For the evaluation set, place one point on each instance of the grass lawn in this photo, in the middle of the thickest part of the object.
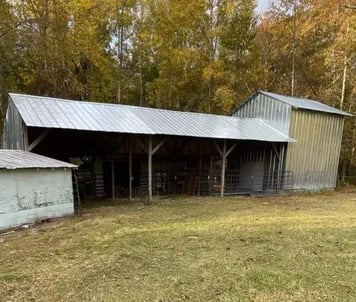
(298, 248)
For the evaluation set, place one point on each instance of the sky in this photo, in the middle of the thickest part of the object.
(262, 5)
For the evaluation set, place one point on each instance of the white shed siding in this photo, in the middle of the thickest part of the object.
(30, 195)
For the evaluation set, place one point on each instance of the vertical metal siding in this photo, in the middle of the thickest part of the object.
(274, 112)
(314, 158)
(12, 136)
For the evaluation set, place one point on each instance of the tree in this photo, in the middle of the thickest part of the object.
(8, 58)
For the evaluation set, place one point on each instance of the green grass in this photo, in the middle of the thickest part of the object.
(295, 248)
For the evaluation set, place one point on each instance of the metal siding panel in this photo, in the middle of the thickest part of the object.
(341, 127)
(314, 158)
(328, 155)
(12, 137)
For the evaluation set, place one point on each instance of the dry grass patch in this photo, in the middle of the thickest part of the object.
(298, 248)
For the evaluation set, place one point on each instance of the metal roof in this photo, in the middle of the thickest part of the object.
(19, 159)
(48, 112)
(305, 103)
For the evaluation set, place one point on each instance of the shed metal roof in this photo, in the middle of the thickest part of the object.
(19, 159)
(48, 112)
(305, 103)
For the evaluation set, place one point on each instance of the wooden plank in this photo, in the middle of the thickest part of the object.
(159, 145)
(199, 173)
(150, 168)
(25, 137)
(222, 188)
(38, 139)
(230, 150)
(218, 148)
(142, 145)
(130, 169)
(112, 179)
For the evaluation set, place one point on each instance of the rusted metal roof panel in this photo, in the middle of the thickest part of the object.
(305, 103)
(19, 159)
(78, 115)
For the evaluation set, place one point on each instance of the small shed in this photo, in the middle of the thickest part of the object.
(33, 188)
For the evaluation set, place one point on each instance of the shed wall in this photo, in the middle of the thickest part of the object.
(314, 158)
(13, 133)
(275, 112)
(30, 195)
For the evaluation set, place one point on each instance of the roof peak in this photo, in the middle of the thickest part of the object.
(304, 103)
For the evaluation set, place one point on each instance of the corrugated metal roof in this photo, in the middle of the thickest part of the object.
(19, 159)
(305, 103)
(67, 114)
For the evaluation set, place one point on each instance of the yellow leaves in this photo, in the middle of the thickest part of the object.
(224, 99)
(214, 71)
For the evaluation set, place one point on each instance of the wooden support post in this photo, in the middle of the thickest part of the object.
(112, 179)
(130, 169)
(222, 188)
(25, 138)
(224, 154)
(211, 174)
(152, 151)
(280, 166)
(38, 139)
(150, 168)
(199, 174)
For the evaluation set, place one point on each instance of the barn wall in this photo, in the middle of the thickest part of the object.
(314, 158)
(13, 133)
(30, 195)
(275, 112)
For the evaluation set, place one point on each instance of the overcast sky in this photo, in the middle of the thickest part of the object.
(262, 5)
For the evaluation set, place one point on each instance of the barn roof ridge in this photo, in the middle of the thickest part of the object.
(303, 103)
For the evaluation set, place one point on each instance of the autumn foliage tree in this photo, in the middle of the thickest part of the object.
(202, 55)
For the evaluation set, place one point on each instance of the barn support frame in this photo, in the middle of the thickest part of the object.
(279, 153)
(224, 154)
(151, 151)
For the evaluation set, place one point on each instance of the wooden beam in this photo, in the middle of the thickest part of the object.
(130, 169)
(210, 174)
(218, 148)
(38, 139)
(275, 150)
(224, 154)
(112, 179)
(159, 145)
(142, 145)
(25, 137)
(222, 188)
(150, 168)
(199, 172)
(230, 150)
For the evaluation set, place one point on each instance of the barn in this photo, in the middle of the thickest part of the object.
(33, 188)
(316, 127)
(128, 151)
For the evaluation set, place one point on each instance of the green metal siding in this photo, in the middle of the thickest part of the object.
(314, 158)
